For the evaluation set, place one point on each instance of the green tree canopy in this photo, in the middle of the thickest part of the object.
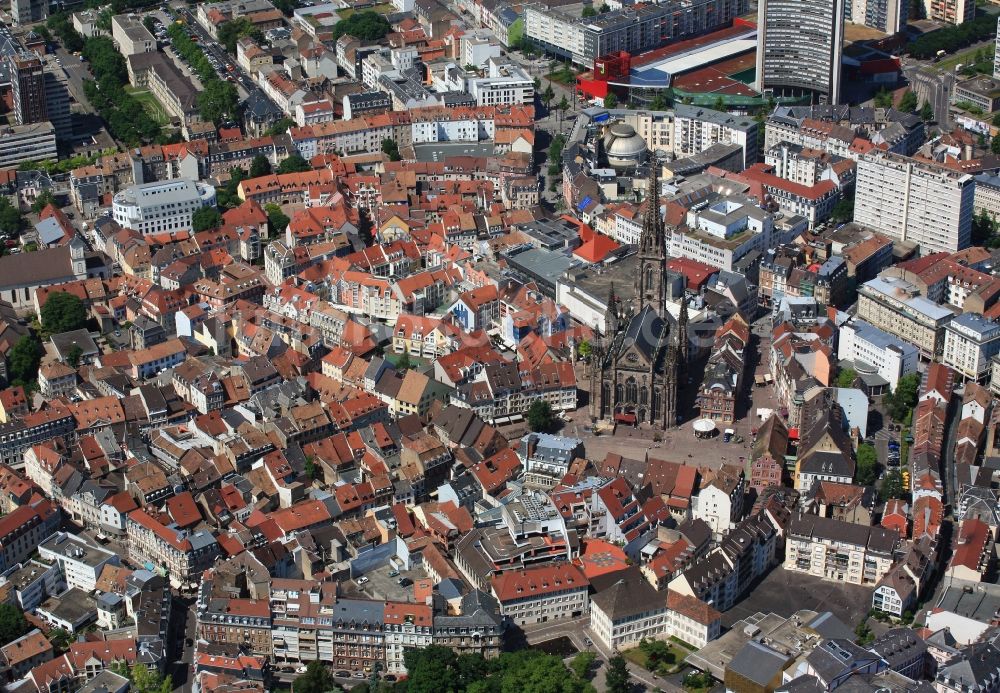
(316, 679)
(883, 98)
(294, 164)
(617, 679)
(367, 26)
(927, 112)
(582, 663)
(540, 417)
(280, 126)
(893, 486)
(232, 31)
(866, 472)
(42, 201)
(277, 219)
(904, 398)
(610, 100)
(846, 377)
(74, 355)
(63, 312)
(589, 11)
(23, 360)
(260, 166)
(390, 147)
(13, 624)
(206, 218)
(217, 100)
(908, 103)
(11, 220)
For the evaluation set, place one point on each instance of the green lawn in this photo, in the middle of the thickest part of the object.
(637, 656)
(152, 106)
(948, 63)
(384, 8)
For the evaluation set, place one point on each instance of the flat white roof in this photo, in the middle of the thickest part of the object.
(696, 58)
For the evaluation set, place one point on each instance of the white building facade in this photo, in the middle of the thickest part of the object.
(161, 207)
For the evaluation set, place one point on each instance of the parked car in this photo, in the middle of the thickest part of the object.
(343, 674)
(393, 573)
(404, 582)
(361, 580)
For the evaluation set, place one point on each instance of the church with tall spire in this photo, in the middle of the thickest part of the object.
(635, 364)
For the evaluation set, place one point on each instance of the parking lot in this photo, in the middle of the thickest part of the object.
(784, 592)
(380, 586)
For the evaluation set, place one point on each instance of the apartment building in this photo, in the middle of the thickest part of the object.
(238, 621)
(504, 392)
(546, 458)
(181, 555)
(542, 594)
(724, 574)
(504, 83)
(839, 550)
(875, 351)
(915, 201)
(634, 29)
(887, 16)
(406, 626)
(949, 11)
(310, 623)
(17, 435)
(23, 529)
(166, 206)
(80, 560)
(696, 128)
(845, 131)
(897, 307)
(131, 36)
(723, 231)
(970, 342)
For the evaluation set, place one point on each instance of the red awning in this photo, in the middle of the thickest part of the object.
(625, 418)
(793, 433)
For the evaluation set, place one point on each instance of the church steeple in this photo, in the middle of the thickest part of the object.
(682, 330)
(650, 288)
(611, 316)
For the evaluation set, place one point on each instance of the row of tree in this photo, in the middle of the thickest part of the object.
(218, 99)
(953, 38)
(126, 119)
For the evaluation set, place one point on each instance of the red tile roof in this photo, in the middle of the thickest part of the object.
(534, 582)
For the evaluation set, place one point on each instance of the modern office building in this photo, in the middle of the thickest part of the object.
(800, 46)
(915, 201)
(897, 307)
(80, 560)
(27, 77)
(161, 207)
(987, 198)
(875, 351)
(996, 53)
(35, 142)
(57, 103)
(29, 11)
